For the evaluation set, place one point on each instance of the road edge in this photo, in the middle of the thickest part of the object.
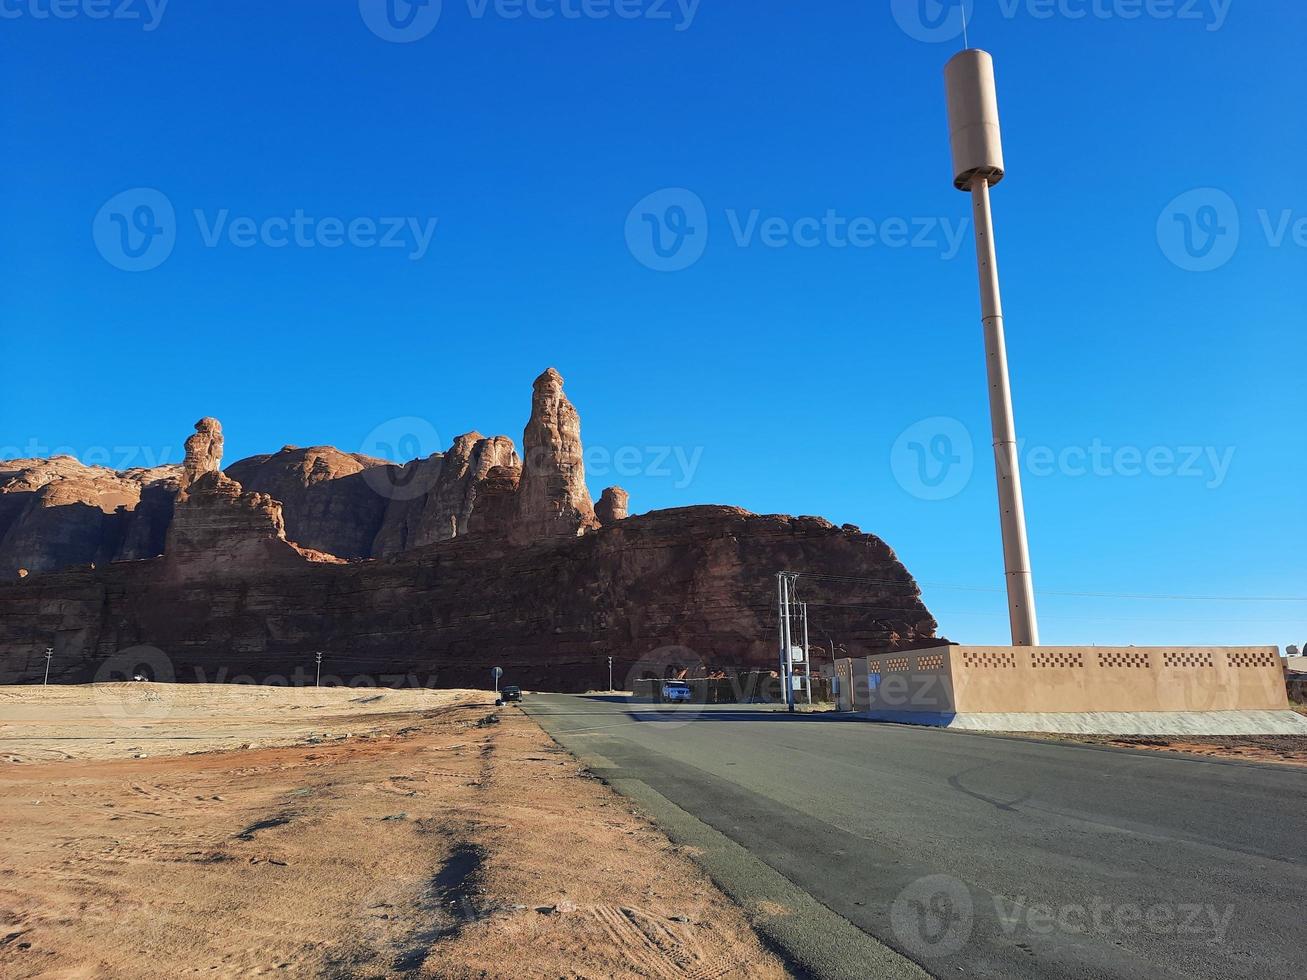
(813, 941)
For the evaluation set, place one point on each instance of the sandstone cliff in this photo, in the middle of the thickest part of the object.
(329, 502)
(694, 585)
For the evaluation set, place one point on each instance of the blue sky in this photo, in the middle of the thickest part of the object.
(823, 334)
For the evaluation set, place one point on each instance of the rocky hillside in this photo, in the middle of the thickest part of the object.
(432, 569)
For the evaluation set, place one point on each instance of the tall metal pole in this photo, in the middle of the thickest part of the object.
(780, 622)
(610, 673)
(1012, 514)
(787, 665)
(49, 652)
(808, 655)
(318, 680)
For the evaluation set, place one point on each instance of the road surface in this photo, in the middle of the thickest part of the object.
(971, 855)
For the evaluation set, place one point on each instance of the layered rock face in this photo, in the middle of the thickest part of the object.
(693, 586)
(329, 502)
(437, 568)
(58, 513)
(450, 484)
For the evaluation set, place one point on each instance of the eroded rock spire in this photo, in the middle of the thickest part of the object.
(553, 500)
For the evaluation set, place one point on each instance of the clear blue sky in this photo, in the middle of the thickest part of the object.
(791, 372)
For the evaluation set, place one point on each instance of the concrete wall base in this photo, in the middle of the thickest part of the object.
(1108, 722)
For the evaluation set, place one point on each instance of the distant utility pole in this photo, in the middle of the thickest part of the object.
(610, 673)
(783, 587)
(318, 680)
(808, 656)
(49, 653)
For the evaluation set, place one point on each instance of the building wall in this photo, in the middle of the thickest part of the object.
(958, 679)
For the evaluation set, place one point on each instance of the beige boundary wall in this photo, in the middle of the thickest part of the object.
(932, 686)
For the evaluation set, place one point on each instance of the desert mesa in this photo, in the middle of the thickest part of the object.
(429, 571)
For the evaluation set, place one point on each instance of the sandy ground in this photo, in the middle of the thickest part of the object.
(1283, 749)
(414, 836)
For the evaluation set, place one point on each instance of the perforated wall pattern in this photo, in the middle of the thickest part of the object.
(1057, 658)
(988, 658)
(1187, 658)
(1252, 658)
(1122, 658)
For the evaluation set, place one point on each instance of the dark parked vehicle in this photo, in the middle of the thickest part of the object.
(511, 693)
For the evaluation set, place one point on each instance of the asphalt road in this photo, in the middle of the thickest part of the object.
(975, 855)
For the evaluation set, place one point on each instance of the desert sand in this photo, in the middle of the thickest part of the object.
(365, 833)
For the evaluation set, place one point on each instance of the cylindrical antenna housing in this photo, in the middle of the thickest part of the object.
(973, 118)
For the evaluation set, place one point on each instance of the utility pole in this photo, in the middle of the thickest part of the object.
(610, 673)
(787, 652)
(49, 653)
(977, 163)
(807, 653)
(318, 681)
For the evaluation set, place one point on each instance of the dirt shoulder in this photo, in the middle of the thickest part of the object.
(429, 841)
(1288, 750)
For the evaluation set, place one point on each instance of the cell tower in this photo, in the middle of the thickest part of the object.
(977, 165)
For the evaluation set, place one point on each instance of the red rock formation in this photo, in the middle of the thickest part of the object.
(612, 506)
(488, 561)
(56, 513)
(695, 582)
(450, 504)
(203, 451)
(327, 500)
(496, 510)
(553, 500)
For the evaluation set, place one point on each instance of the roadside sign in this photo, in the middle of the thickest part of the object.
(496, 673)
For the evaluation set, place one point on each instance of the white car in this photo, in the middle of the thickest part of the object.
(676, 691)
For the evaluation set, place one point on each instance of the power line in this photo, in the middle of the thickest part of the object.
(1049, 592)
